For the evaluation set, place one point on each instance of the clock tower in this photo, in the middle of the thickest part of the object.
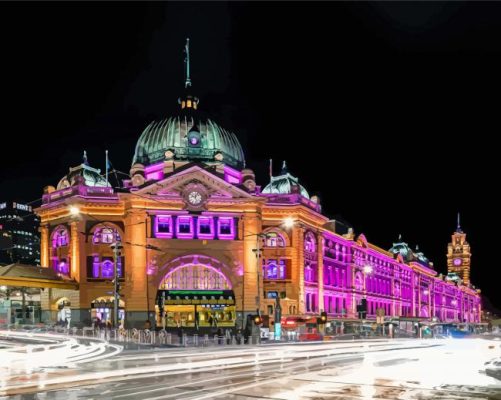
(459, 256)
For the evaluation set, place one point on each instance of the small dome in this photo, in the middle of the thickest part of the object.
(83, 174)
(403, 249)
(188, 139)
(285, 184)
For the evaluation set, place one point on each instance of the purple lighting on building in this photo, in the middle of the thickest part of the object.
(163, 226)
(205, 228)
(154, 172)
(225, 228)
(184, 227)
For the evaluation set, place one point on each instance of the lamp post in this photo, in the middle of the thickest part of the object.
(367, 270)
(117, 247)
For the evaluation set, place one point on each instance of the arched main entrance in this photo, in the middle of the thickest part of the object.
(196, 294)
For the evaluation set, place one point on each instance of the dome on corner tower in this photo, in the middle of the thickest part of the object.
(190, 139)
(285, 183)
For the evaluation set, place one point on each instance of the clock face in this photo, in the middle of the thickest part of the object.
(457, 261)
(195, 198)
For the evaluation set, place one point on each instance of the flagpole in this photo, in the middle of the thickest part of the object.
(106, 168)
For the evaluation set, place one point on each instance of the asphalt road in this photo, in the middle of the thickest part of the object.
(400, 369)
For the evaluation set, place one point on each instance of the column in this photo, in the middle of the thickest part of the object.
(137, 293)
(298, 243)
(44, 246)
(252, 226)
(74, 251)
(320, 265)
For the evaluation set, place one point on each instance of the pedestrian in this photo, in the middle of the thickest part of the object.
(228, 336)
(219, 334)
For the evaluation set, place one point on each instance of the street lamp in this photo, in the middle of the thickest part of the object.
(366, 270)
(116, 247)
(74, 211)
(289, 222)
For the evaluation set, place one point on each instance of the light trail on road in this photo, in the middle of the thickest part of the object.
(410, 369)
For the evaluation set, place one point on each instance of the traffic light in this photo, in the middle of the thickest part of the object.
(258, 320)
(161, 304)
(323, 317)
(117, 287)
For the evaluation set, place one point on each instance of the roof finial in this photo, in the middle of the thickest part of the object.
(284, 168)
(85, 158)
(459, 225)
(271, 168)
(417, 247)
(400, 237)
(187, 82)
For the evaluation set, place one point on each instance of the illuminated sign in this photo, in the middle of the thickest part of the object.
(23, 207)
(197, 297)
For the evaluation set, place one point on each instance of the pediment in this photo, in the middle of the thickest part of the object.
(176, 184)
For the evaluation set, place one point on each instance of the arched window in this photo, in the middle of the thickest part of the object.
(359, 283)
(106, 235)
(308, 273)
(107, 269)
(275, 269)
(60, 237)
(273, 239)
(193, 277)
(309, 243)
(62, 266)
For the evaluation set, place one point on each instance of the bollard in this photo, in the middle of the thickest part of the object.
(206, 340)
(183, 340)
(195, 339)
(168, 338)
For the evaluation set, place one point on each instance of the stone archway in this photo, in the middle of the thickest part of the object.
(196, 272)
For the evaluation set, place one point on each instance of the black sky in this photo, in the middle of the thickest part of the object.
(389, 112)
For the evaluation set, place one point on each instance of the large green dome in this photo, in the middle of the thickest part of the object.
(190, 139)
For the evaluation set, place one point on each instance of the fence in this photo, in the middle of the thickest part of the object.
(142, 337)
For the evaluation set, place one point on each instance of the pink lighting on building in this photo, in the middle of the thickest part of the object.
(231, 175)
(154, 172)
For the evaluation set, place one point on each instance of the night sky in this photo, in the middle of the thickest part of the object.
(388, 112)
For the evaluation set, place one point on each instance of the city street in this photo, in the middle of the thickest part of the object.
(398, 369)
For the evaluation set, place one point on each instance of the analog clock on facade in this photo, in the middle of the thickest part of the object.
(194, 198)
(457, 262)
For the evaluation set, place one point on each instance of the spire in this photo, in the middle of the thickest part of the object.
(284, 168)
(187, 80)
(187, 102)
(271, 169)
(85, 158)
(458, 229)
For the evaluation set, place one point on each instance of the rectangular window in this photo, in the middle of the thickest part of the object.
(163, 226)
(205, 228)
(225, 228)
(184, 227)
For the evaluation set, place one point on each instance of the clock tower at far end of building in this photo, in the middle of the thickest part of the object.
(459, 255)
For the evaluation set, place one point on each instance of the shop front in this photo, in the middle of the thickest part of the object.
(203, 310)
(102, 311)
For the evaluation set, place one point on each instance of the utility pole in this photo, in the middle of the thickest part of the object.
(117, 247)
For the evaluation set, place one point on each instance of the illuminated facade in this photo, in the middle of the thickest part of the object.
(191, 218)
